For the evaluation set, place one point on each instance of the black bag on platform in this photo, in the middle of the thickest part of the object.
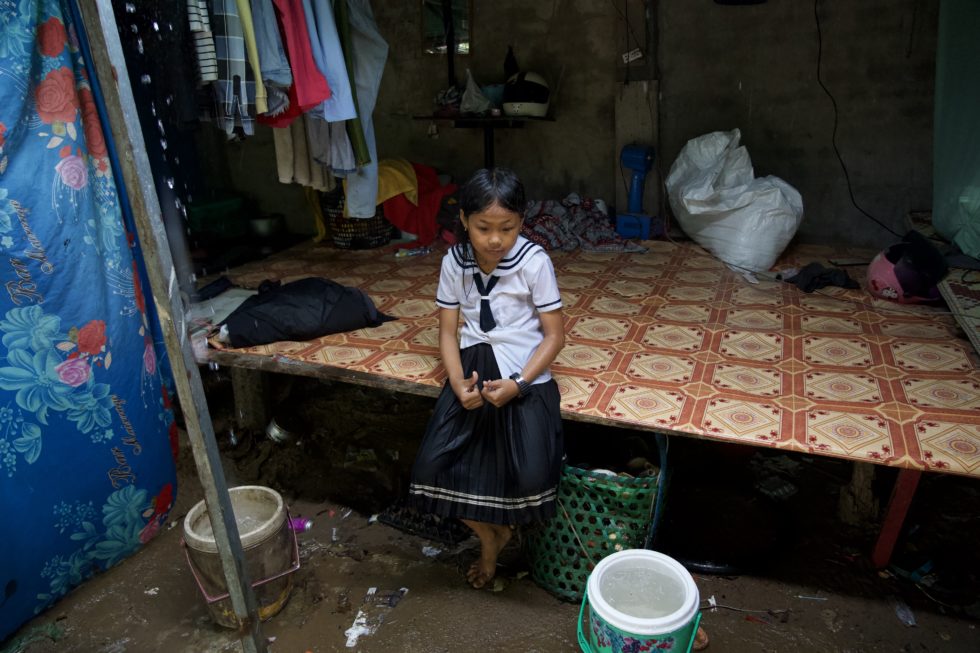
(301, 310)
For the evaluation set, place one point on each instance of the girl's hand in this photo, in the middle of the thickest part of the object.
(467, 392)
(499, 392)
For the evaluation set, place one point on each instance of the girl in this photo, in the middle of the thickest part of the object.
(491, 455)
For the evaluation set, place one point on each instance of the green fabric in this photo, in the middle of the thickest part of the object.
(362, 156)
(956, 151)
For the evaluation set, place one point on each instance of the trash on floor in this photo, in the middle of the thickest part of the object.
(300, 524)
(903, 612)
(371, 615)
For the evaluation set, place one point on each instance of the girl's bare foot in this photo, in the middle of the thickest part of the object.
(493, 539)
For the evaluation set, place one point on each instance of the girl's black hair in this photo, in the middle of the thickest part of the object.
(489, 186)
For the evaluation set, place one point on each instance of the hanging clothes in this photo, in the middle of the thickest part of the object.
(341, 153)
(354, 129)
(293, 162)
(235, 89)
(329, 58)
(309, 87)
(252, 52)
(200, 26)
(284, 118)
(370, 52)
(318, 137)
(330, 145)
(276, 72)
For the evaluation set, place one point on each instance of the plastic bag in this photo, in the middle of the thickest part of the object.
(718, 202)
(474, 101)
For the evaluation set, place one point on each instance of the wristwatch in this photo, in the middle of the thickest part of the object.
(522, 385)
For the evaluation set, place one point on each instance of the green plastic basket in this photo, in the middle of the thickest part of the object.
(598, 515)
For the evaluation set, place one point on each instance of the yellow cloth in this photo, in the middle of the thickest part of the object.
(245, 13)
(397, 176)
(313, 197)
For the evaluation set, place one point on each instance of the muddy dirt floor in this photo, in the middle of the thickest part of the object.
(758, 528)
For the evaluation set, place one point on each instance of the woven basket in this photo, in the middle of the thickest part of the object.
(598, 515)
(354, 233)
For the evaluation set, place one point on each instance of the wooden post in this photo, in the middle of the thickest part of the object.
(251, 391)
(898, 508)
(110, 65)
(857, 504)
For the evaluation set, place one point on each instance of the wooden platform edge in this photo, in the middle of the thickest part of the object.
(322, 371)
(282, 365)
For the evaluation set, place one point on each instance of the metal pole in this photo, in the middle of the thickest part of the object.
(100, 26)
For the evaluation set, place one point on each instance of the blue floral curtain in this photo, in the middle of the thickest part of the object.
(87, 438)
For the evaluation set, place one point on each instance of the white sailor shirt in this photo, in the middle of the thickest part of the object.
(526, 286)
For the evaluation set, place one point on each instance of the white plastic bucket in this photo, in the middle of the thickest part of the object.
(268, 544)
(639, 600)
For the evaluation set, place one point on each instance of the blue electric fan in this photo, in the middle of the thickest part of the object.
(634, 223)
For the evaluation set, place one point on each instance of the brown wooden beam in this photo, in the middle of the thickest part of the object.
(251, 396)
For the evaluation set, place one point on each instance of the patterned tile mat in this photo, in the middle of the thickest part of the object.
(672, 340)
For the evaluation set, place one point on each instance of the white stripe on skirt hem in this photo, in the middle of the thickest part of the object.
(478, 500)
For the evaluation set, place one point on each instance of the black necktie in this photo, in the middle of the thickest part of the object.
(487, 323)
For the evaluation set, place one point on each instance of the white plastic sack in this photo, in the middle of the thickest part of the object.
(474, 101)
(718, 202)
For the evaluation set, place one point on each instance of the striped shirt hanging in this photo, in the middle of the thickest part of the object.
(200, 24)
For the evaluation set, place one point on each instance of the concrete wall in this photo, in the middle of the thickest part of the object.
(574, 153)
(719, 67)
(755, 68)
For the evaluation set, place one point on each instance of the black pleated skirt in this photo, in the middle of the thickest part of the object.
(496, 465)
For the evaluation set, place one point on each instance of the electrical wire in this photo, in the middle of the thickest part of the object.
(653, 118)
(915, 13)
(626, 186)
(833, 137)
(629, 27)
(710, 604)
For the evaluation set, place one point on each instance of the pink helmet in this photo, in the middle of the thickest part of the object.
(882, 281)
(907, 272)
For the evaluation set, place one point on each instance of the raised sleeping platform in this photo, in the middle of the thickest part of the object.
(673, 341)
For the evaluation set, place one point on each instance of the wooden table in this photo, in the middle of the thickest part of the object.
(488, 124)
